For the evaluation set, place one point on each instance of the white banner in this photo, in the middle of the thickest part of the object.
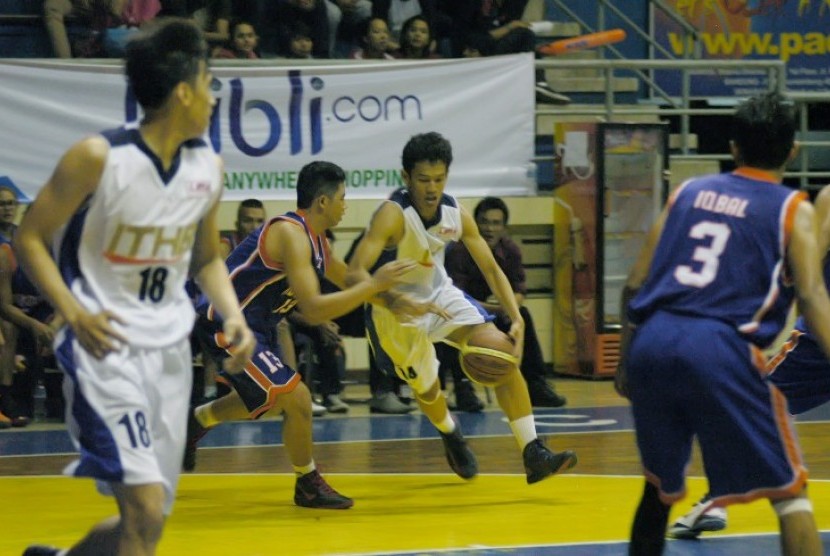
(270, 121)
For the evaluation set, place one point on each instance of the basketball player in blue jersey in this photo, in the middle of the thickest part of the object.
(799, 369)
(273, 272)
(130, 212)
(417, 222)
(711, 288)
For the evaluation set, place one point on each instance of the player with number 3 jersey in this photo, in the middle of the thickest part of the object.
(712, 288)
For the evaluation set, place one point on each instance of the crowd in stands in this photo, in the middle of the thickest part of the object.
(300, 29)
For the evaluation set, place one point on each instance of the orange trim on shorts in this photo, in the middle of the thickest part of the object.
(272, 392)
(786, 348)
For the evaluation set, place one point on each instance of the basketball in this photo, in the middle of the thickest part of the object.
(487, 357)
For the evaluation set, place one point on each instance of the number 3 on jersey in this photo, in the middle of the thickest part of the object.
(152, 284)
(717, 234)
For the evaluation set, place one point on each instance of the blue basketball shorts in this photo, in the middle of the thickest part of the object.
(693, 377)
(264, 377)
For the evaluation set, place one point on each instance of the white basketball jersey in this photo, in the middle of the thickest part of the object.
(426, 244)
(128, 248)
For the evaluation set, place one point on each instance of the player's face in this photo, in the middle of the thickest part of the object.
(203, 101)
(491, 226)
(337, 206)
(8, 207)
(426, 184)
(250, 218)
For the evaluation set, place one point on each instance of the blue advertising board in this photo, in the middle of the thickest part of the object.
(794, 31)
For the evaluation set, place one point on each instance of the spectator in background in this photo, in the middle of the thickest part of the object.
(318, 354)
(416, 40)
(278, 18)
(346, 18)
(250, 215)
(300, 42)
(212, 16)
(9, 413)
(242, 45)
(491, 216)
(397, 12)
(493, 27)
(98, 14)
(374, 41)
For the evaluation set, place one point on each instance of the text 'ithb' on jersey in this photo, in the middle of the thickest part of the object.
(149, 244)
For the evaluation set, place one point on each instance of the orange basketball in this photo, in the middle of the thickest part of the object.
(487, 358)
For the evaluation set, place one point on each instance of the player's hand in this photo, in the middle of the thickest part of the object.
(517, 334)
(393, 273)
(407, 309)
(96, 334)
(43, 333)
(330, 333)
(242, 344)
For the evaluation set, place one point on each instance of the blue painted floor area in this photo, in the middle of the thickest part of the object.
(371, 428)
(715, 546)
(351, 429)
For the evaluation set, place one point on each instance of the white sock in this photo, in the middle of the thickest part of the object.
(447, 425)
(301, 470)
(524, 430)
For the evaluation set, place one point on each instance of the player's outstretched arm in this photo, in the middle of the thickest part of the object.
(75, 178)
(287, 242)
(805, 261)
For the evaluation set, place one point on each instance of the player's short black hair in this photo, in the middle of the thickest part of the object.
(318, 178)
(763, 130)
(491, 203)
(426, 147)
(161, 57)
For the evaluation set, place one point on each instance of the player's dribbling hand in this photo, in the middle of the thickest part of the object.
(517, 334)
(407, 309)
(96, 334)
(242, 344)
(393, 273)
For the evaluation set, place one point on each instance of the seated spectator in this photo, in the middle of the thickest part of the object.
(493, 27)
(346, 18)
(325, 370)
(384, 386)
(300, 43)
(397, 12)
(250, 215)
(97, 14)
(280, 16)
(416, 40)
(212, 16)
(374, 41)
(242, 44)
(491, 215)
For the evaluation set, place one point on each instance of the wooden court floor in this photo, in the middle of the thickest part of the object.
(239, 500)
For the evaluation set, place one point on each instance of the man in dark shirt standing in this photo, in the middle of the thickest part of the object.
(491, 215)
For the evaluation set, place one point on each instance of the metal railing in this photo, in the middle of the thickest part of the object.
(681, 106)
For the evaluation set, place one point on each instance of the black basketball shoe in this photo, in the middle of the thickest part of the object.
(540, 462)
(459, 456)
(312, 491)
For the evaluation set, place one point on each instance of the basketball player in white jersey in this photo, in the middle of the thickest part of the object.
(416, 223)
(128, 213)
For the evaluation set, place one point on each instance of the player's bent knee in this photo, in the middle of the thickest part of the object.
(792, 505)
(430, 395)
